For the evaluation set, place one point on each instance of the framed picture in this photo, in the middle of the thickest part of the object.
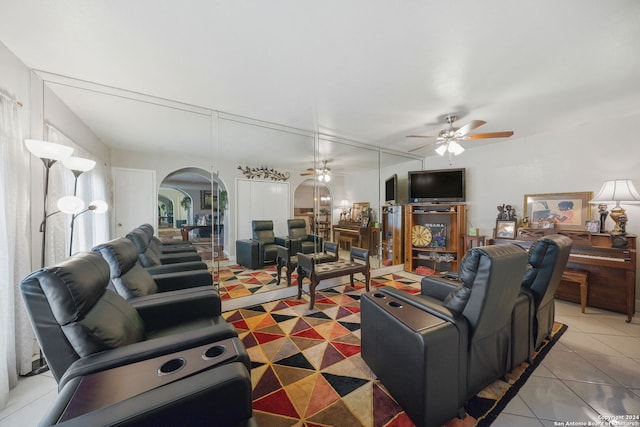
(358, 209)
(506, 229)
(206, 200)
(592, 226)
(565, 210)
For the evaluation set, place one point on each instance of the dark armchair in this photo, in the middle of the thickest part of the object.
(262, 248)
(308, 243)
(435, 350)
(534, 313)
(83, 327)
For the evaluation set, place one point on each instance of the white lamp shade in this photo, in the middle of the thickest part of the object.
(48, 150)
(455, 148)
(98, 206)
(616, 191)
(78, 164)
(441, 149)
(70, 205)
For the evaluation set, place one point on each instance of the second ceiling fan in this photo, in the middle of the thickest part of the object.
(447, 139)
(322, 174)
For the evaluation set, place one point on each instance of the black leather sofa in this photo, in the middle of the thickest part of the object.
(148, 258)
(160, 247)
(435, 350)
(534, 312)
(161, 360)
(83, 327)
(131, 280)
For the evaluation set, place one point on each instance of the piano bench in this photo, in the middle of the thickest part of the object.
(345, 242)
(580, 278)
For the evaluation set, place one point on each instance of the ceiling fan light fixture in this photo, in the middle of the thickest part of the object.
(455, 148)
(441, 149)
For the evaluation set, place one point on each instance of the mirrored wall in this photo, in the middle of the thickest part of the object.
(216, 172)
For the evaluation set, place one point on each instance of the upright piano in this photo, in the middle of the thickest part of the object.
(362, 237)
(611, 270)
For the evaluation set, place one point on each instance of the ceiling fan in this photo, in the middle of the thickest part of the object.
(447, 139)
(322, 174)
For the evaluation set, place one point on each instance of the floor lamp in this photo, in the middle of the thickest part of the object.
(97, 207)
(77, 165)
(49, 153)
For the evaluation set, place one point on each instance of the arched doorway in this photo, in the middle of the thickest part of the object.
(197, 210)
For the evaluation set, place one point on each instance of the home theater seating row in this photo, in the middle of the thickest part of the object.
(164, 357)
(435, 350)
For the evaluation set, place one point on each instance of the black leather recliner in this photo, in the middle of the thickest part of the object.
(83, 327)
(148, 258)
(435, 350)
(219, 396)
(308, 243)
(534, 312)
(262, 248)
(160, 247)
(131, 280)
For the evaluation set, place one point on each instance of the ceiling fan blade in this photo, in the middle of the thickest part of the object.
(307, 174)
(504, 134)
(418, 148)
(420, 136)
(464, 130)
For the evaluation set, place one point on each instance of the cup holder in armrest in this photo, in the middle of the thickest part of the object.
(213, 352)
(395, 304)
(379, 295)
(172, 366)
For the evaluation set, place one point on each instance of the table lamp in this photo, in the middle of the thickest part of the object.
(617, 191)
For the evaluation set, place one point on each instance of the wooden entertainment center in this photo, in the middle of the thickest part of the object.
(433, 237)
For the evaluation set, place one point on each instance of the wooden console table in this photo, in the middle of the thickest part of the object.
(611, 271)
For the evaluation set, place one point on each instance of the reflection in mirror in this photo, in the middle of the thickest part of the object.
(312, 202)
(188, 209)
(169, 138)
(354, 179)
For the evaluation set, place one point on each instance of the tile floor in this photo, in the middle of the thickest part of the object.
(592, 373)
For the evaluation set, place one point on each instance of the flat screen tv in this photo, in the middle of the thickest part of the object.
(437, 186)
(391, 189)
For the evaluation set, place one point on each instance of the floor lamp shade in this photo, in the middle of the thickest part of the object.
(48, 150)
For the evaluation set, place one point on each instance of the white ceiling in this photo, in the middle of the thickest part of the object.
(369, 71)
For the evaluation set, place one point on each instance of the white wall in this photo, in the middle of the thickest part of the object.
(573, 160)
(570, 161)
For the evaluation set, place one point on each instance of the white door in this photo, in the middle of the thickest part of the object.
(135, 199)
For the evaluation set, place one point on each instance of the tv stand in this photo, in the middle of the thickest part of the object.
(446, 224)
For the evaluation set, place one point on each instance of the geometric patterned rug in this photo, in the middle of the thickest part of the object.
(307, 369)
(236, 281)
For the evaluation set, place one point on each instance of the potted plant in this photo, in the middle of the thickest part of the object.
(186, 203)
(222, 204)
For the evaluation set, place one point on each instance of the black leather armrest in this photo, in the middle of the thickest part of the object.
(177, 249)
(428, 304)
(181, 266)
(147, 349)
(437, 287)
(183, 280)
(180, 257)
(220, 396)
(167, 309)
(283, 241)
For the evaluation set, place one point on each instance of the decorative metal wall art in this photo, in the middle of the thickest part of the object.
(264, 173)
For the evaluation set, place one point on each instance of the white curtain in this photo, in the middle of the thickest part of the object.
(16, 336)
(89, 229)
